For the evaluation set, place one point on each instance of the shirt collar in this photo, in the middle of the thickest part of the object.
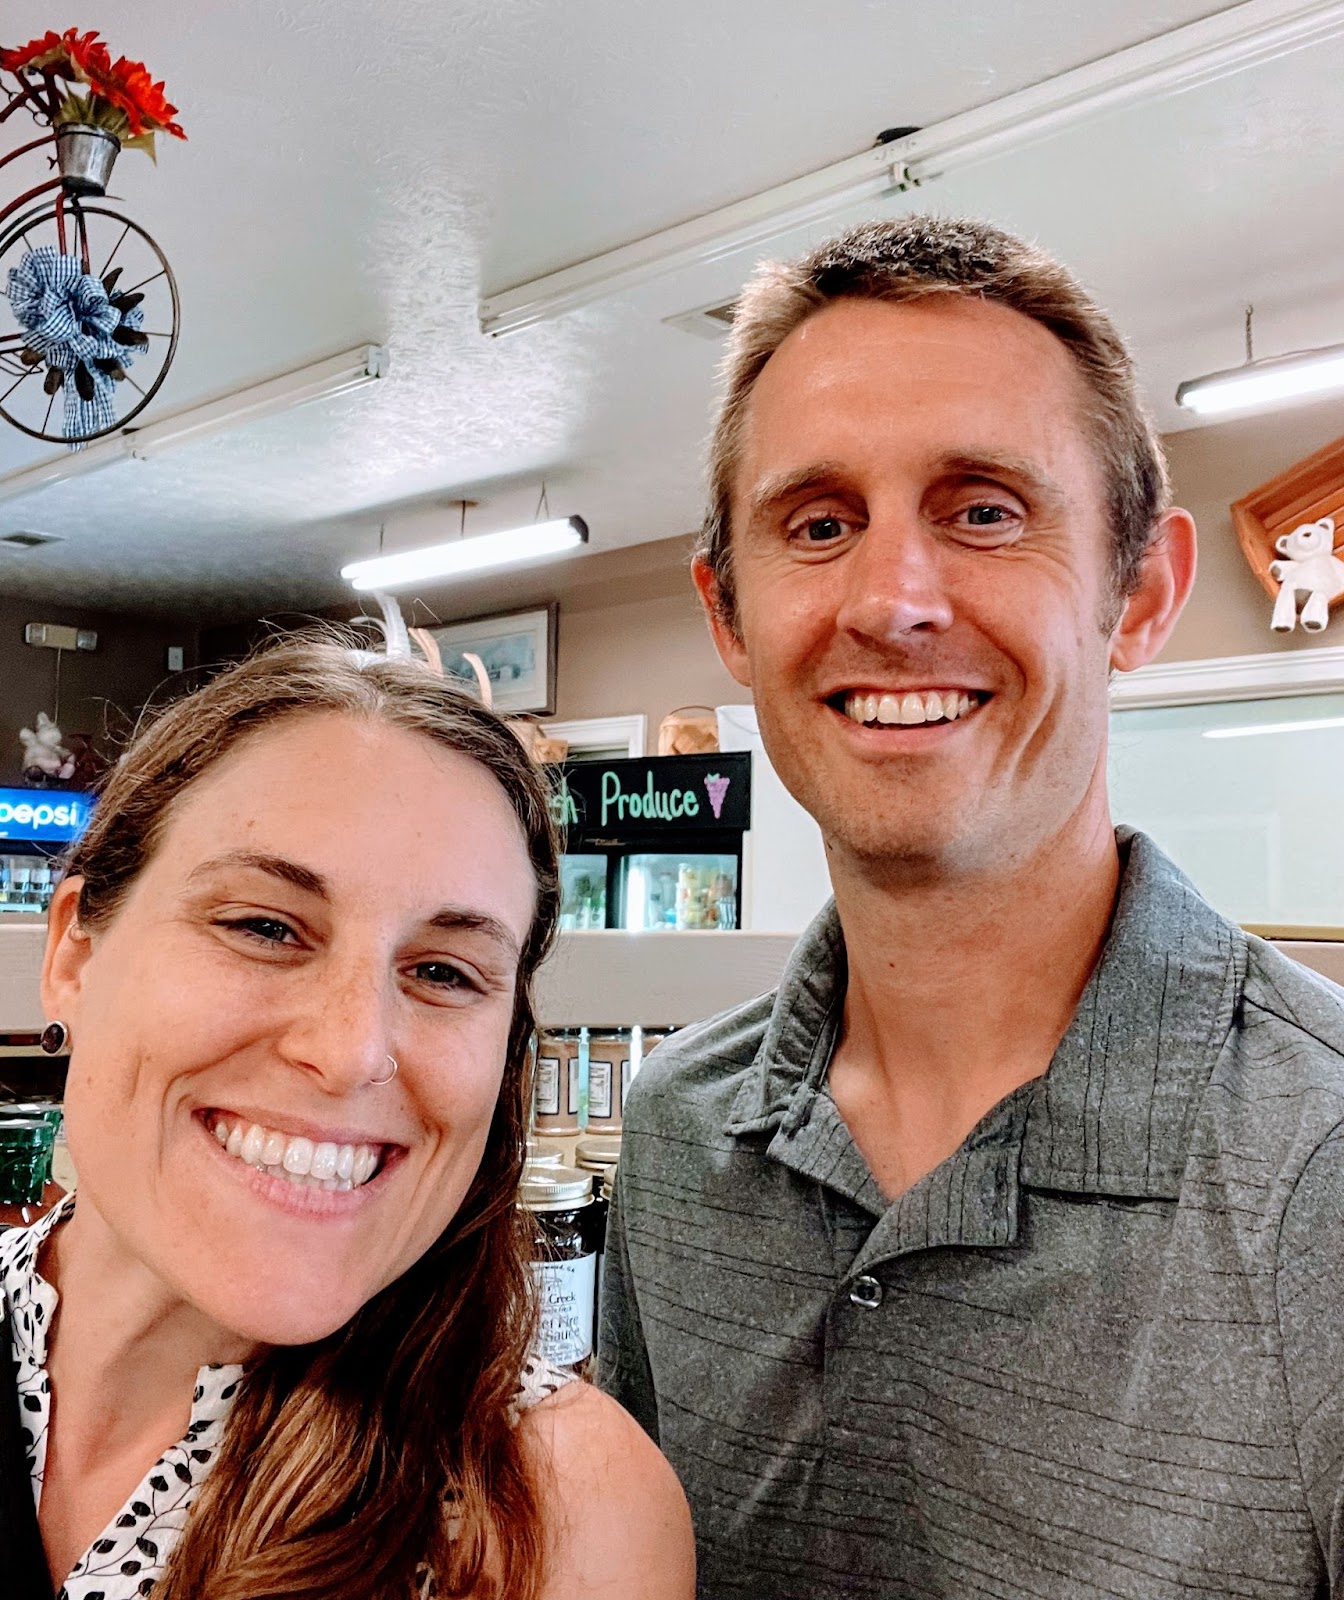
(1112, 1115)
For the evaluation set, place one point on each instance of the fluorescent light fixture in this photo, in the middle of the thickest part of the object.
(320, 381)
(1274, 727)
(1231, 40)
(1260, 383)
(484, 550)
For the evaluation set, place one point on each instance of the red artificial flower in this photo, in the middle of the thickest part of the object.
(62, 54)
(127, 85)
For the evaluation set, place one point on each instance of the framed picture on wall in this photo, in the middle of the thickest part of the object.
(518, 652)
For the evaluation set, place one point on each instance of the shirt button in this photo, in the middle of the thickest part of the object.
(867, 1292)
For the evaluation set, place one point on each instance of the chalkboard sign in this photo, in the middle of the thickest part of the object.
(660, 795)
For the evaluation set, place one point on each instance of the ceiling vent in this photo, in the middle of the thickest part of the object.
(709, 322)
(27, 541)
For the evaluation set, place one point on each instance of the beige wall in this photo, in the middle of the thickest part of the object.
(1212, 466)
(644, 647)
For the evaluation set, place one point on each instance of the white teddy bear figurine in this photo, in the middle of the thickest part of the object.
(1311, 568)
(43, 752)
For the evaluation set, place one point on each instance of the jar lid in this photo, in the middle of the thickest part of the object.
(554, 1188)
(544, 1155)
(598, 1150)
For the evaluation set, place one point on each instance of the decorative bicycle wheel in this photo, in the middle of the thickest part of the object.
(89, 319)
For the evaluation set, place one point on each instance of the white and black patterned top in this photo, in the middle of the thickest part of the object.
(133, 1550)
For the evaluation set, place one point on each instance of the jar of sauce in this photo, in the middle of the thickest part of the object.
(564, 1262)
(609, 1054)
(556, 1095)
(599, 1154)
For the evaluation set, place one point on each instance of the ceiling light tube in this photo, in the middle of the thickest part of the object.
(476, 554)
(1267, 382)
(320, 381)
(1256, 728)
(1229, 41)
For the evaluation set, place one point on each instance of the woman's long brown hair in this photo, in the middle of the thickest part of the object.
(350, 1465)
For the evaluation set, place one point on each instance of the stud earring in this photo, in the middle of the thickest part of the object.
(379, 1082)
(55, 1037)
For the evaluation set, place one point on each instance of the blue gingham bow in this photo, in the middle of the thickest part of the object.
(71, 322)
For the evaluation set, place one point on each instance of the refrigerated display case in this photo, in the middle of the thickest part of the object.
(654, 843)
(35, 827)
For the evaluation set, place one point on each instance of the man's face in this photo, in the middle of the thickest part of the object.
(922, 565)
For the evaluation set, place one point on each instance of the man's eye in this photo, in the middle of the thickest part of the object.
(821, 529)
(986, 516)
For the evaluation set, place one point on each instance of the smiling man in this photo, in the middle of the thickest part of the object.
(995, 1252)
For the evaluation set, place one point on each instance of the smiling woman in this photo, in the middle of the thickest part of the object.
(294, 951)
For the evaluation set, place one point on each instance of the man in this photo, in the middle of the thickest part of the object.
(997, 1252)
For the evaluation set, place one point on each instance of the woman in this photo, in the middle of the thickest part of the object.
(277, 1344)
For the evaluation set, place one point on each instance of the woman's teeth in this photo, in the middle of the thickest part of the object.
(335, 1167)
(910, 709)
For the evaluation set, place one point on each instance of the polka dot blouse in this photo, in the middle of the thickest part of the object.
(133, 1549)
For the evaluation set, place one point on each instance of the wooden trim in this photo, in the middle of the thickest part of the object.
(1307, 935)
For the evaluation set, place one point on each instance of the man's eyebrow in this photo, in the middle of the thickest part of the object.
(460, 919)
(276, 866)
(995, 465)
(782, 486)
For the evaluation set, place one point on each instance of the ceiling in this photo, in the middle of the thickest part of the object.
(357, 174)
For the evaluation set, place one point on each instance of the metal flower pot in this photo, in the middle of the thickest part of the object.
(85, 156)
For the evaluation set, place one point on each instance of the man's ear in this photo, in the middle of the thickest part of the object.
(1166, 578)
(722, 623)
(67, 953)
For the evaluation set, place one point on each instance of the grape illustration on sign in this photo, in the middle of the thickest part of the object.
(716, 787)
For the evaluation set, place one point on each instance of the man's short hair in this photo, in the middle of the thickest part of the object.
(914, 258)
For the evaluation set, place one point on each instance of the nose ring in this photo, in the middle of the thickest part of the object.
(378, 1082)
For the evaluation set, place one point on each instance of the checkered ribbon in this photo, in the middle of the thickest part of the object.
(70, 319)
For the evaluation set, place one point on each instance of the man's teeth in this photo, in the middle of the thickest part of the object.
(927, 705)
(337, 1167)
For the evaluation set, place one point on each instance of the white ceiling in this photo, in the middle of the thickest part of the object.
(363, 172)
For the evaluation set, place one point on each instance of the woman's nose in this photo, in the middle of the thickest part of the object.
(341, 1030)
(896, 583)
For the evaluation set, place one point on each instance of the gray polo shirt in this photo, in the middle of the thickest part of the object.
(1098, 1351)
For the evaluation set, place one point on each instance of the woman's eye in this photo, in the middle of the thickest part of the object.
(269, 930)
(443, 975)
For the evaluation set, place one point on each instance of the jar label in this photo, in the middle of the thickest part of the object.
(599, 1089)
(548, 1086)
(568, 1291)
(574, 1087)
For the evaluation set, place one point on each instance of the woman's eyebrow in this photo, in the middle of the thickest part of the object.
(461, 919)
(281, 867)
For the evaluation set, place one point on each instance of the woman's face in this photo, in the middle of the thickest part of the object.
(331, 894)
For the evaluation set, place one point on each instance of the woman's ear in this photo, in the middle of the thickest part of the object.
(1165, 580)
(67, 953)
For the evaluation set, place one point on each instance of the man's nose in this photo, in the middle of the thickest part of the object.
(896, 582)
(341, 1028)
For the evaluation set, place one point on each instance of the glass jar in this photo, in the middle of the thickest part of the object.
(25, 1160)
(599, 1154)
(556, 1093)
(39, 1110)
(608, 1078)
(564, 1262)
(541, 1153)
